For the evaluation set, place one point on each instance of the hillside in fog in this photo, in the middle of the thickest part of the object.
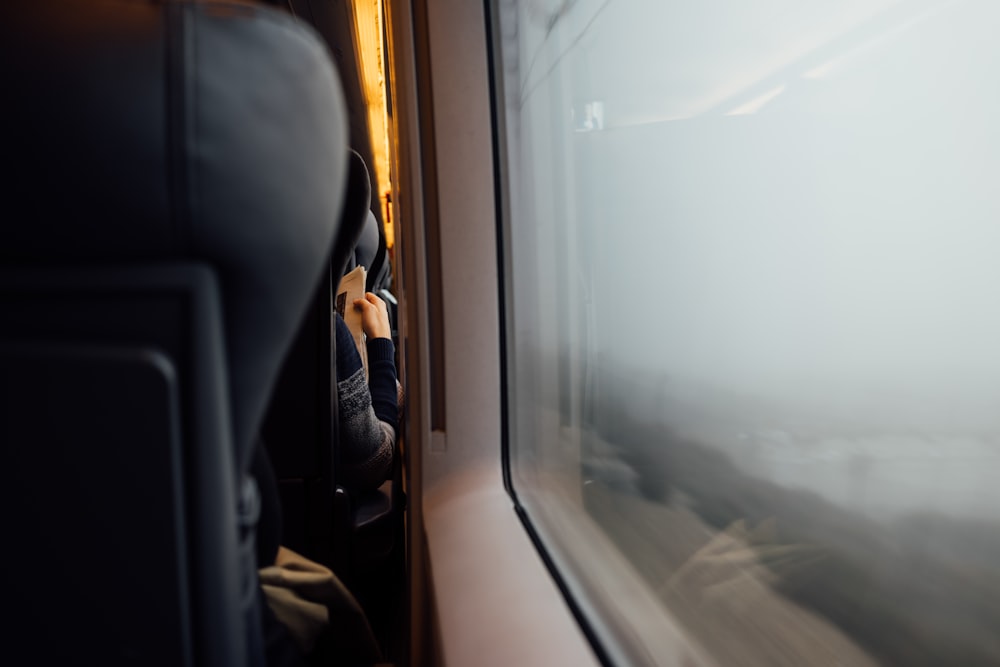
(921, 588)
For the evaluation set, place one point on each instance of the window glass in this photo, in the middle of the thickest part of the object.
(753, 327)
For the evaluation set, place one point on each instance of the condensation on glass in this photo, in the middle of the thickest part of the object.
(754, 330)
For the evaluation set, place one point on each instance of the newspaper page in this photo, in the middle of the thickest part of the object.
(352, 286)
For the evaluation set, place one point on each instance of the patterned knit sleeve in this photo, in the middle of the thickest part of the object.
(367, 430)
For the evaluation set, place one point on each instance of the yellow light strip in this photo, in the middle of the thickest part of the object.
(368, 20)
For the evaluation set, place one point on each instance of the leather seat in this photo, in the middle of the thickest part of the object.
(174, 176)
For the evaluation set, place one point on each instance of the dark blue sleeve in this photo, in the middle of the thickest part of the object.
(381, 370)
(382, 379)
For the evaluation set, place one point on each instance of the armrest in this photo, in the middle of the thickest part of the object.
(373, 507)
(367, 524)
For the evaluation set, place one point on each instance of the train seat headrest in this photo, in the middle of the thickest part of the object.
(145, 132)
(366, 248)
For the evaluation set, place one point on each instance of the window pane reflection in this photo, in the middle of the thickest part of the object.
(753, 334)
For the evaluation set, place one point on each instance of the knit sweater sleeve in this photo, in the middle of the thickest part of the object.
(366, 410)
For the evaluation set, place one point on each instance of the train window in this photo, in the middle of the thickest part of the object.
(751, 323)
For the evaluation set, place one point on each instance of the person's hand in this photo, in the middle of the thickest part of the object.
(374, 316)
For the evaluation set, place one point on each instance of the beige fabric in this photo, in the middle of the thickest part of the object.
(310, 600)
(297, 590)
(305, 620)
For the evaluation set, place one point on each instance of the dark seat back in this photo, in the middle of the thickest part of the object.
(114, 431)
(370, 252)
(174, 176)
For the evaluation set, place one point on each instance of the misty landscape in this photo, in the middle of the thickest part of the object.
(908, 587)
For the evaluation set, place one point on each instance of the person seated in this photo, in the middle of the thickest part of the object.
(368, 409)
(308, 616)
